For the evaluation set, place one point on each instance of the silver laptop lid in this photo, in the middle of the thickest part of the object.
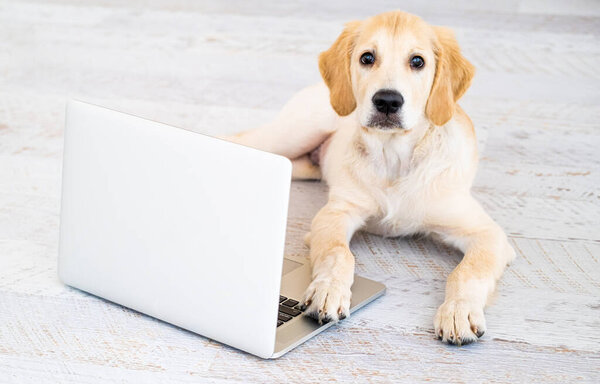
(184, 227)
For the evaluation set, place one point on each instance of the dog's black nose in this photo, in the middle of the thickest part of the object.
(387, 101)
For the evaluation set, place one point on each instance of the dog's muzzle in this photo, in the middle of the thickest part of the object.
(387, 103)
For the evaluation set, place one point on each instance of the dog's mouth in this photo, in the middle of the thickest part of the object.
(385, 122)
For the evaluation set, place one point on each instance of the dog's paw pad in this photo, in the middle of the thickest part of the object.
(327, 300)
(459, 322)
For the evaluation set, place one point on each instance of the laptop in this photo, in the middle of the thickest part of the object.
(186, 228)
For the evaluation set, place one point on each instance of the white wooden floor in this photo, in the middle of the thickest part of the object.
(221, 67)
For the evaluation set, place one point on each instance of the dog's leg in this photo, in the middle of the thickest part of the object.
(302, 125)
(328, 296)
(304, 169)
(463, 223)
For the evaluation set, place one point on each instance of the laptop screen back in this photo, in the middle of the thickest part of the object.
(177, 225)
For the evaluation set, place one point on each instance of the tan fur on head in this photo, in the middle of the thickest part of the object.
(334, 65)
(453, 76)
(351, 89)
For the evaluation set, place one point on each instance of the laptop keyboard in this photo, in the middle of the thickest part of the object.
(288, 309)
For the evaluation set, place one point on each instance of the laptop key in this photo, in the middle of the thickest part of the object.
(282, 298)
(289, 303)
(279, 323)
(289, 311)
(283, 317)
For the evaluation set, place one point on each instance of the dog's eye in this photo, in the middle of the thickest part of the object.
(367, 58)
(417, 62)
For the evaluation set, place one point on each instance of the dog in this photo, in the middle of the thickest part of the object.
(399, 155)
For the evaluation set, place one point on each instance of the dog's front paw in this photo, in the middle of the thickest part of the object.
(459, 322)
(328, 299)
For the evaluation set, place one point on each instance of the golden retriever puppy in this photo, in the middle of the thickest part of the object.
(399, 156)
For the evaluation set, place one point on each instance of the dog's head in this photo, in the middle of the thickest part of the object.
(396, 71)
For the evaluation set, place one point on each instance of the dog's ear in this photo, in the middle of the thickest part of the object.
(453, 75)
(334, 65)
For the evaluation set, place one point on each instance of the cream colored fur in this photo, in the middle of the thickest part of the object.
(414, 178)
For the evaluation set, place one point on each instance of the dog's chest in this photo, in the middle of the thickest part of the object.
(390, 160)
(400, 209)
(396, 185)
